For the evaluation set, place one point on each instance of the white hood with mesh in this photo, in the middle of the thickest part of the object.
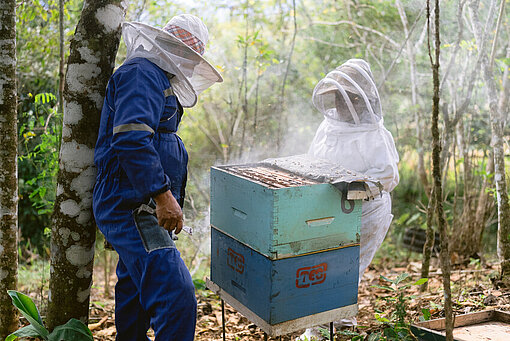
(352, 133)
(192, 73)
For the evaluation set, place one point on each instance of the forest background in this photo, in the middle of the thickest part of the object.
(271, 54)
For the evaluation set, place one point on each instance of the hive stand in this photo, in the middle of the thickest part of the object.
(286, 327)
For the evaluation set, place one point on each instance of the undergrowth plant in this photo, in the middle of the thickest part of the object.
(73, 330)
(395, 323)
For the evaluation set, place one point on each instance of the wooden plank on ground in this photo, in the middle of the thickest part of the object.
(489, 331)
(491, 325)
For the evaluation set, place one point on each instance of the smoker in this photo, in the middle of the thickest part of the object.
(285, 242)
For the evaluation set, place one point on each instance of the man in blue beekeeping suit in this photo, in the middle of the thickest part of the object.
(142, 166)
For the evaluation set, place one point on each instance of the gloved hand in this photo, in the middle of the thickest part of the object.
(169, 212)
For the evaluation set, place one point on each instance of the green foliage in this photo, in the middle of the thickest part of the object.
(353, 336)
(27, 307)
(427, 315)
(73, 330)
(325, 333)
(199, 284)
(395, 324)
(27, 331)
(37, 61)
(39, 135)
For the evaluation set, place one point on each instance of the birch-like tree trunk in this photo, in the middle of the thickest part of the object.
(90, 64)
(498, 145)
(8, 167)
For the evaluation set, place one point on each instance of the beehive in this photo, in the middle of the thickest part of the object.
(280, 214)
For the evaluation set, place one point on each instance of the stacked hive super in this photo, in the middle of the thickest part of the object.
(284, 248)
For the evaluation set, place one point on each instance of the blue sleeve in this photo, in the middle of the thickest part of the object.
(139, 103)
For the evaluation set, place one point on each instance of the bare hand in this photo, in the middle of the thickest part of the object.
(169, 212)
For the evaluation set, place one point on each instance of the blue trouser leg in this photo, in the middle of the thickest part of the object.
(170, 299)
(131, 320)
(164, 288)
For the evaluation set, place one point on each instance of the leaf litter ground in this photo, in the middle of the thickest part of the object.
(473, 291)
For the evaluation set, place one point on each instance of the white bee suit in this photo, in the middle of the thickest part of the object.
(353, 136)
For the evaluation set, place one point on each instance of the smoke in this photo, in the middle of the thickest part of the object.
(302, 122)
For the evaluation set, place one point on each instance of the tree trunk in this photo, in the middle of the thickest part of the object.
(436, 172)
(8, 167)
(505, 91)
(429, 241)
(465, 242)
(90, 64)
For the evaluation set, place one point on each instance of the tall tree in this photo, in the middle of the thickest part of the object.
(436, 173)
(90, 64)
(8, 167)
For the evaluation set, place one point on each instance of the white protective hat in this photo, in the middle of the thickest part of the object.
(349, 94)
(177, 49)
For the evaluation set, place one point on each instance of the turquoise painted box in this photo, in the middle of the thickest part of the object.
(286, 289)
(280, 214)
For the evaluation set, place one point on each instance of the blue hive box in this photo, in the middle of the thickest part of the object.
(280, 214)
(285, 289)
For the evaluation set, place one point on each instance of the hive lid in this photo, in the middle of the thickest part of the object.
(360, 186)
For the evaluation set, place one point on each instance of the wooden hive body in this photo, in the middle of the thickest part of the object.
(281, 221)
(286, 289)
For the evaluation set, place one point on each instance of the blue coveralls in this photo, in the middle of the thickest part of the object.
(138, 155)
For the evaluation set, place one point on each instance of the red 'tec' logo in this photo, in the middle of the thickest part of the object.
(311, 275)
(235, 261)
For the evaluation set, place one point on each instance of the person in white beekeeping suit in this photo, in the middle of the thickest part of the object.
(353, 136)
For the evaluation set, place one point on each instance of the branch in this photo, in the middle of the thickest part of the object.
(481, 40)
(457, 44)
(329, 43)
(380, 85)
(505, 90)
(494, 41)
(206, 133)
(361, 27)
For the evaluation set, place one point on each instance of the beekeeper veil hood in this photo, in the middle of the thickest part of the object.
(178, 50)
(349, 94)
